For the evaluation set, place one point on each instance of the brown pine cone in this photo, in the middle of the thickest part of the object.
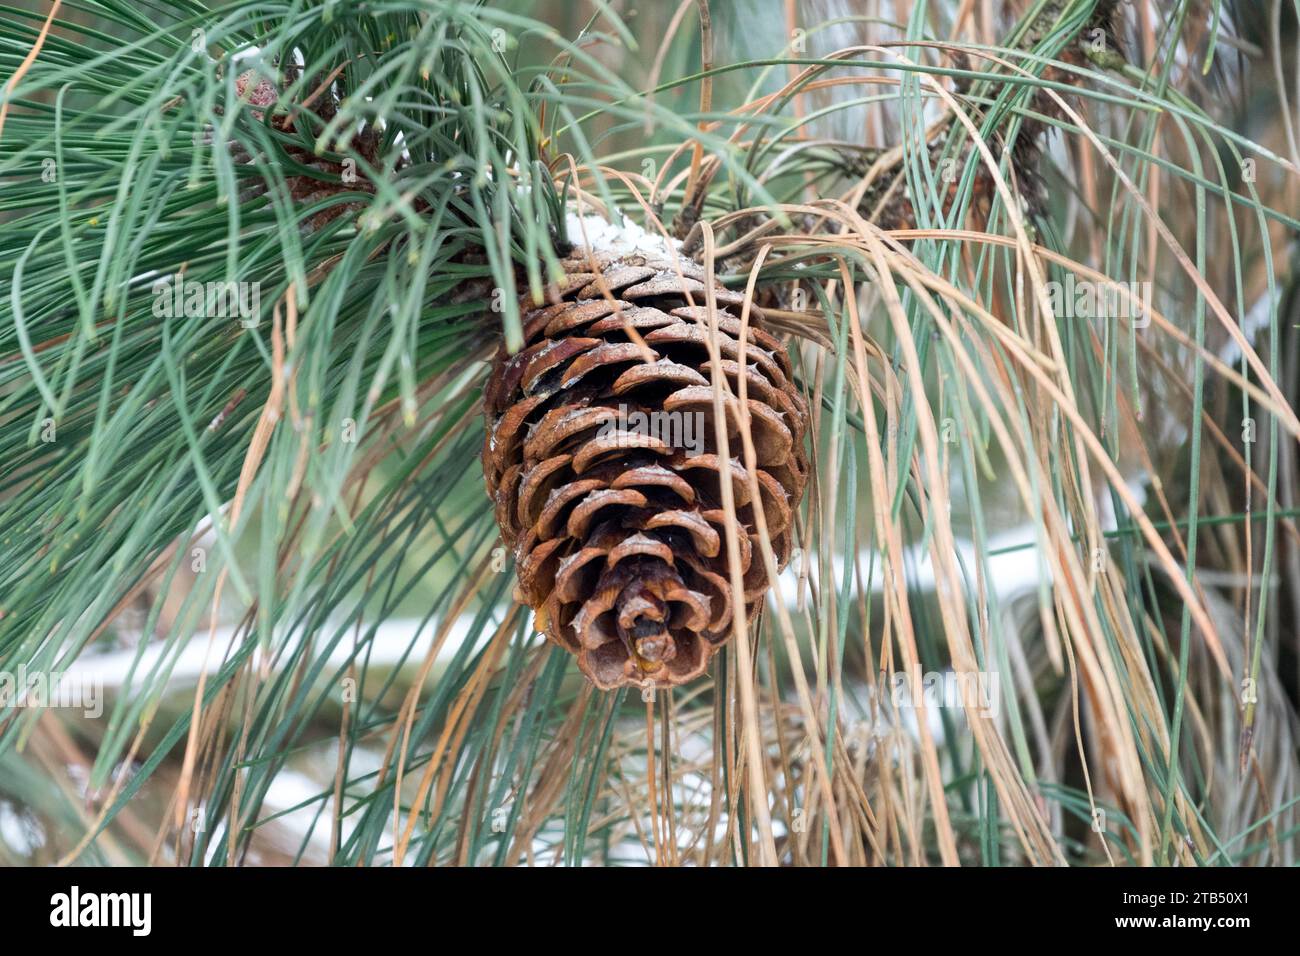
(602, 462)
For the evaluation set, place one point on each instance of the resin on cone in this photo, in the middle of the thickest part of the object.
(601, 457)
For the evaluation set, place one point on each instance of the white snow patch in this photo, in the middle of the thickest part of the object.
(22, 835)
(599, 235)
(393, 640)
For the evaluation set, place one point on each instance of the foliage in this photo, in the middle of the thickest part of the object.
(277, 520)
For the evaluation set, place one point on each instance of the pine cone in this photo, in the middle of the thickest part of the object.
(602, 462)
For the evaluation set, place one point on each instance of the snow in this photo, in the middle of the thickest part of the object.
(600, 235)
